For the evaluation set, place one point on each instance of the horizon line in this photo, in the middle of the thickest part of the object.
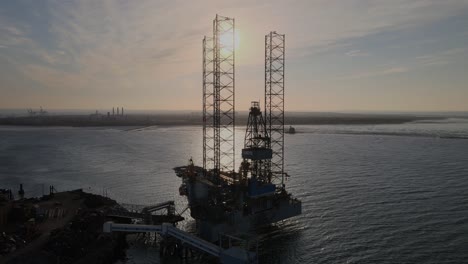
(200, 110)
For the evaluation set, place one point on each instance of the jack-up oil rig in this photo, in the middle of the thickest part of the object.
(226, 203)
(222, 200)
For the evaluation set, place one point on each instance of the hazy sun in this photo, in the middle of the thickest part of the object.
(226, 40)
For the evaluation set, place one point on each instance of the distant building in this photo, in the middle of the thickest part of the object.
(41, 112)
(6, 196)
(95, 115)
(120, 112)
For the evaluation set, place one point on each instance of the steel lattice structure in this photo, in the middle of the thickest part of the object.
(208, 104)
(274, 101)
(219, 97)
(257, 140)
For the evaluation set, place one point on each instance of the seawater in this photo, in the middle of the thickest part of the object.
(370, 194)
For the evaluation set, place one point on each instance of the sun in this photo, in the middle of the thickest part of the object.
(229, 41)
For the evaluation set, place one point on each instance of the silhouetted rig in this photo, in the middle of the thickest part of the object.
(222, 200)
(226, 203)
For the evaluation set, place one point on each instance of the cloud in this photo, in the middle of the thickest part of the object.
(12, 30)
(375, 73)
(428, 60)
(331, 22)
(444, 57)
(106, 45)
(356, 53)
(395, 70)
(440, 58)
(98, 47)
(12, 36)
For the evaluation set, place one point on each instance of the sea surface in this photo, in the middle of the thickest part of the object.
(370, 194)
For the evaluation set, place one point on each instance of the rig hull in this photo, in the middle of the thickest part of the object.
(227, 207)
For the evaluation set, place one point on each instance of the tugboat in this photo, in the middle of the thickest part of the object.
(291, 130)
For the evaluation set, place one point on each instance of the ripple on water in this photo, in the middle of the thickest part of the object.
(366, 198)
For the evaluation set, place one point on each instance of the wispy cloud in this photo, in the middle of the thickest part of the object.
(12, 30)
(331, 22)
(11, 35)
(440, 58)
(356, 53)
(109, 45)
(153, 47)
(395, 70)
(375, 73)
(435, 59)
(428, 60)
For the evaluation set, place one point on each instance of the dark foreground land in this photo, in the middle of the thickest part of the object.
(196, 119)
(64, 227)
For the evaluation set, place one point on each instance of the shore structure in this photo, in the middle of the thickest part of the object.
(60, 227)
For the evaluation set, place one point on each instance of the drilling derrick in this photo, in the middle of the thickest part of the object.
(256, 147)
(274, 102)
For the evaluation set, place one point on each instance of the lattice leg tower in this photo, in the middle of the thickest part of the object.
(224, 94)
(208, 104)
(274, 101)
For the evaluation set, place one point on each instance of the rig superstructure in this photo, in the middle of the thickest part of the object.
(223, 200)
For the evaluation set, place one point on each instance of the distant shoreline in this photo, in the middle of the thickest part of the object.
(192, 119)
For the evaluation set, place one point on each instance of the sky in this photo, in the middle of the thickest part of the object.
(353, 55)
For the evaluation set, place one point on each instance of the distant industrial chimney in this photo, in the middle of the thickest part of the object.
(122, 112)
(21, 191)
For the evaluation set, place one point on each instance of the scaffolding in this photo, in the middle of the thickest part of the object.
(274, 101)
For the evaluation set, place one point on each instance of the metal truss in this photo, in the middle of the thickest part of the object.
(219, 97)
(257, 140)
(208, 104)
(256, 134)
(274, 101)
(224, 96)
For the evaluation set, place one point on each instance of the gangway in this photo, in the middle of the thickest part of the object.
(126, 214)
(112, 227)
(230, 255)
(169, 205)
(147, 213)
(192, 240)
